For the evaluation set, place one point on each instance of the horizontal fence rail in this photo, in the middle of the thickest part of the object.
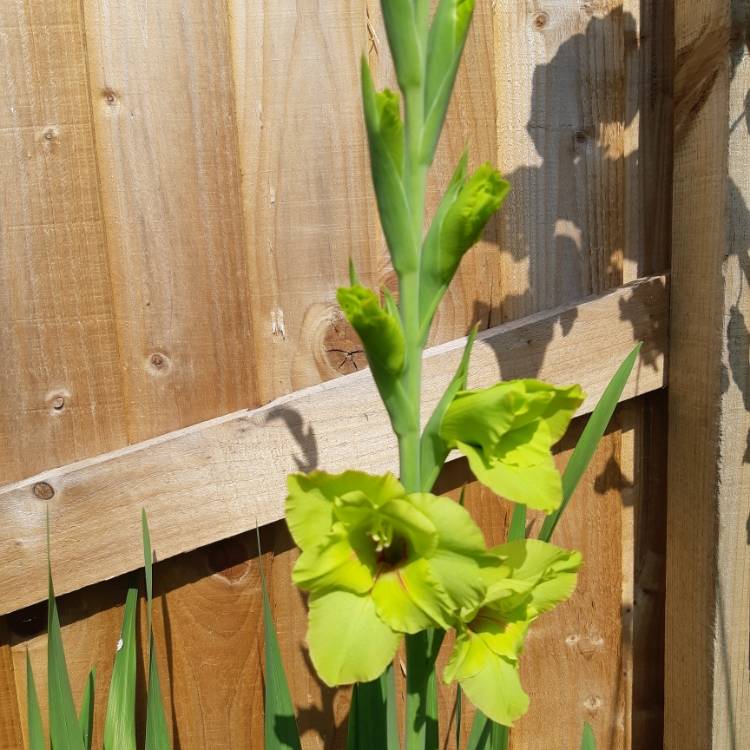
(225, 476)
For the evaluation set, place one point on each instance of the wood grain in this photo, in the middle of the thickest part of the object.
(163, 108)
(217, 479)
(707, 693)
(232, 173)
(60, 382)
(568, 137)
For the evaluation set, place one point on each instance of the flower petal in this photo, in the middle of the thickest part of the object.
(334, 564)
(549, 571)
(491, 683)
(456, 529)
(411, 524)
(538, 486)
(348, 642)
(409, 599)
(309, 512)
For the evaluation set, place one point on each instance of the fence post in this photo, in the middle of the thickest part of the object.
(707, 691)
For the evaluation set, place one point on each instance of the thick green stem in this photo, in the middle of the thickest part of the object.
(418, 729)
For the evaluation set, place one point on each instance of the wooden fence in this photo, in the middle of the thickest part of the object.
(183, 183)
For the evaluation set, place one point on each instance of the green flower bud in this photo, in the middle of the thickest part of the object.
(401, 28)
(379, 329)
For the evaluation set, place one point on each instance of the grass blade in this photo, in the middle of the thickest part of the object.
(64, 729)
(589, 440)
(280, 731)
(587, 741)
(86, 719)
(119, 724)
(157, 733)
(34, 715)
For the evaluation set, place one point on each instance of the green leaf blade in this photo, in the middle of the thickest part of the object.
(517, 528)
(65, 731)
(434, 450)
(33, 713)
(587, 740)
(157, 732)
(372, 714)
(589, 440)
(280, 725)
(86, 719)
(119, 724)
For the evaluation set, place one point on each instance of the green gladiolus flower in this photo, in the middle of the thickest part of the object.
(528, 578)
(507, 433)
(378, 563)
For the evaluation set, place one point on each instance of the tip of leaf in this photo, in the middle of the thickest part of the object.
(353, 276)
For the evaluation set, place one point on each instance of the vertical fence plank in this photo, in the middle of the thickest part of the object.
(564, 110)
(707, 700)
(60, 384)
(163, 107)
(163, 96)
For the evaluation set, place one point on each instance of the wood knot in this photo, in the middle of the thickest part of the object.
(43, 491)
(57, 401)
(540, 20)
(109, 96)
(342, 348)
(158, 363)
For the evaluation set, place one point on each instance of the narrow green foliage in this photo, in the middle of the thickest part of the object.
(372, 715)
(421, 706)
(445, 44)
(86, 719)
(592, 434)
(434, 450)
(64, 729)
(457, 708)
(587, 741)
(280, 726)
(385, 138)
(33, 714)
(517, 528)
(157, 733)
(487, 735)
(119, 725)
(391, 699)
(403, 39)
